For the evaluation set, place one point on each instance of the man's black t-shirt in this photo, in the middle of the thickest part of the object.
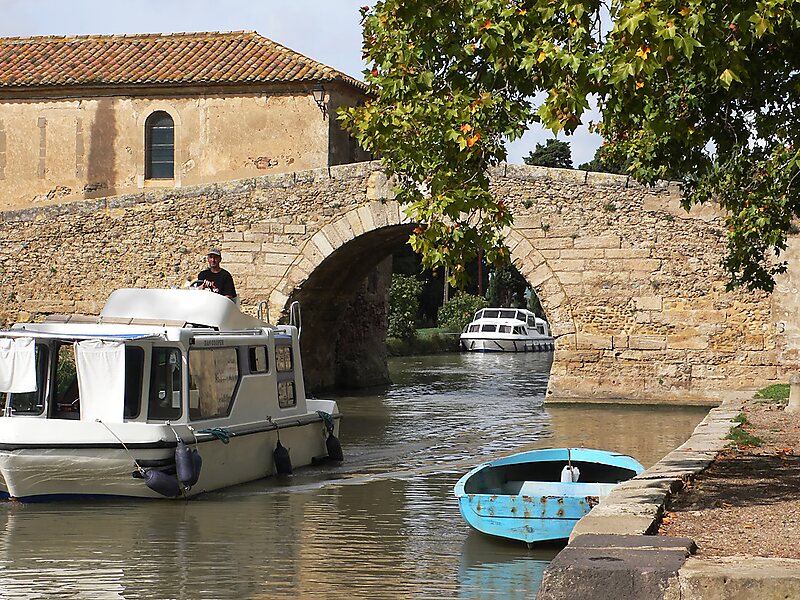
(222, 282)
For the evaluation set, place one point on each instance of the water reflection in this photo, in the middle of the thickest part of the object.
(383, 525)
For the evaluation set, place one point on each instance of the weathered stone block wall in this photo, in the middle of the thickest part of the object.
(65, 149)
(631, 283)
(634, 288)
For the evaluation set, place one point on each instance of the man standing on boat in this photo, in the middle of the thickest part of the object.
(215, 278)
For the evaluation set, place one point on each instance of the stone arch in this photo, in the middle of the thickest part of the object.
(536, 270)
(367, 218)
(341, 278)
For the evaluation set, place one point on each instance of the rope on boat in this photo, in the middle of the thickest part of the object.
(138, 466)
(177, 437)
(220, 433)
(194, 434)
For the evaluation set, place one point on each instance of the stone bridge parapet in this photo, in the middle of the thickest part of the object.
(631, 283)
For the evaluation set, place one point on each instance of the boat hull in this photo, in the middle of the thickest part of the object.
(503, 499)
(520, 344)
(64, 470)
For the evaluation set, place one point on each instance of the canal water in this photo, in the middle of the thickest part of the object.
(384, 524)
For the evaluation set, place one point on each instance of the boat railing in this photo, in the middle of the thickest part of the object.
(295, 317)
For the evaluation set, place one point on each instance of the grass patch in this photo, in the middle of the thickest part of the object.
(740, 436)
(777, 392)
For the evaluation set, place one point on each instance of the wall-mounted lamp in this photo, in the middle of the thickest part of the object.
(318, 92)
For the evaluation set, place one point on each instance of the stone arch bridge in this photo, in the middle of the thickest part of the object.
(630, 282)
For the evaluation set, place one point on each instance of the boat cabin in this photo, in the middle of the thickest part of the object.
(507, 320)
(183, 356)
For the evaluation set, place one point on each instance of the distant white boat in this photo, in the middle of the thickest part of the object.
(507, 330)
(166, 393)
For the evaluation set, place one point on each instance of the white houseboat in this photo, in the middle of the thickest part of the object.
(507, 330)
(166, 393)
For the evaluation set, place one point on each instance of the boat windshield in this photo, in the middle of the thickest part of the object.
(508, 314)
(488, 327)
(490, 314)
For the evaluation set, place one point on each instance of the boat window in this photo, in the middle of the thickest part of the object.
(258, 359)
(490, 314)
(519, 330)
(489, 327)
(32, 403)
(531, 321)
(165, 384)
(283, 359)
(286, 395)
(508, 314)
(213, 375)
(505, 328)
(474, 327)
(67, 401)
(540, 329)
(478, 315)
(134, 371)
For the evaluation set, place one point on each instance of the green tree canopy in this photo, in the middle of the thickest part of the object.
(601, 163)
(554, 153)
(701, 91)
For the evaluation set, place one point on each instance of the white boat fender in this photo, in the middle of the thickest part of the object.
(570, 474)
(162, 483)
(187, 464)
(332, 443)
(283, 463)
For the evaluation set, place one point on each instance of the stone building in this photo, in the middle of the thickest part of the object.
(97, 116)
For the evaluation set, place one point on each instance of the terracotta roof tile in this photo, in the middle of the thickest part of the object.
(236, 57)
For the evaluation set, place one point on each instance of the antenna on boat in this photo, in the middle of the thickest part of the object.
(294, 316)
(263, 309)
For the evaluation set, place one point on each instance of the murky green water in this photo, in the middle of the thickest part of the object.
(383, 525)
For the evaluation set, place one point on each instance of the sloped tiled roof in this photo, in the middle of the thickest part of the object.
(239, 57)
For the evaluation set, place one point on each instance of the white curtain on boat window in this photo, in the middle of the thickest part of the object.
(101, 380)
(17, 365)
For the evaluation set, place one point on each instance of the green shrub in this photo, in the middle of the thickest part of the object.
(433, 342)
(458, 311)
(404, 295)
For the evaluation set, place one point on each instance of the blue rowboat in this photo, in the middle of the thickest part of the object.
(538, 496)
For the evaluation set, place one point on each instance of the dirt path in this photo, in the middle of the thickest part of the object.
(748, 500)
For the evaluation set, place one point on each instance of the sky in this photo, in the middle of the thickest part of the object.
(326, 30)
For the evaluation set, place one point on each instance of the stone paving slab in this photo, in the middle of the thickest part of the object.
(616, 567)
(739, 578)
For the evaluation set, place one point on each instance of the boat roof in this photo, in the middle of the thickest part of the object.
(525, 311)
(138, 314)
(186, 306)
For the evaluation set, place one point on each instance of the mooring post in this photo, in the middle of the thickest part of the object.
(794, 394)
